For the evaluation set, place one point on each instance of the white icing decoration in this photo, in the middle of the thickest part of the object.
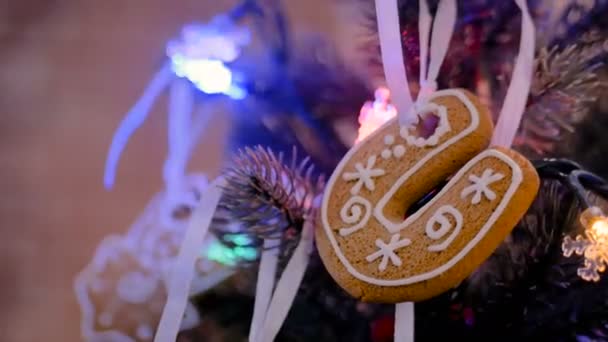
(516, 179)
(364, 176)
(481, 185)
(389, 139)
(386, 153)
(351, 214)
(443, 126)
(439, 217)
(387, 251)
(399, 151)
(394, 227)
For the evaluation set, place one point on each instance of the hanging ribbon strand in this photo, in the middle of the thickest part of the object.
(135, 118)
(181, 104)
(517, 93)
(264, 287)
(443, 28)
(392, 52)
(392, 57)
(183, 269)
(288, 285)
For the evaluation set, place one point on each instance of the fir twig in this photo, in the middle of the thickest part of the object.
(565, 86)
(268, 197)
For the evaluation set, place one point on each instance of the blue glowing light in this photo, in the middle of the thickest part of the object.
(210, 76)
(201, 52)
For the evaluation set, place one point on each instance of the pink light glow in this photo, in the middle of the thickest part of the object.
(375, 114)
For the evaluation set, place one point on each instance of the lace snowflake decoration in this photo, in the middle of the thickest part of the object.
(592, 245)
(122, 291)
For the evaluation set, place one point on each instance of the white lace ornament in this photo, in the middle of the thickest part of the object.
(122, 291)
(159, 256)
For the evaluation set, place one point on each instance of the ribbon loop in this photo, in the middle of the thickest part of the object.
(392, 53)
(443, 27)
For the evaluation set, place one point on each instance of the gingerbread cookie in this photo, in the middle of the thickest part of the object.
(378, 254)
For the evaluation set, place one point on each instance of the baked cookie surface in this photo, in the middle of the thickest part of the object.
(378, 254)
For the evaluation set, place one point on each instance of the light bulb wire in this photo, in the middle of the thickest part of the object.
(574, 177)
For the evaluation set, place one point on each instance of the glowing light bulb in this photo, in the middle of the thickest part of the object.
(600, 227)
(210, 76)
(596, 224)
(375, 114)
(593, 244)
(200, 54)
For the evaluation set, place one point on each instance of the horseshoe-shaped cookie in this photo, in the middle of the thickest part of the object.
(363, 237)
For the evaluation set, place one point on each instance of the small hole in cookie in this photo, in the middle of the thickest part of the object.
(427, 124)
(423, 200)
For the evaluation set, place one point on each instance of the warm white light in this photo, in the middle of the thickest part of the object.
(593, 244)
(375, 114)
(600, 227)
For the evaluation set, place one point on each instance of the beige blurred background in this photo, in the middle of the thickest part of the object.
(68, 72)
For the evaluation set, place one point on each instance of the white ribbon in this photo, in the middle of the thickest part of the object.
(182, 273)
(181, 104)
(404, 322)
(134, 118)
(392, 52)
(514, 104)
(288, 285)
(443, 27)
(264, 287)
(389, 34)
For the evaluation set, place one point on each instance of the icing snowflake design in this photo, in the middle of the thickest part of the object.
(387, 251)
(363, 176)
(481, 186)
(596, 256)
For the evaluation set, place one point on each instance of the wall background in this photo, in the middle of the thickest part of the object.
(68, 71)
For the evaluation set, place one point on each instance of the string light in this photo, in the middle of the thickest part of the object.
(375, 114)
(231, 256)
(201, 52)
(201, 55)
(592, 244)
